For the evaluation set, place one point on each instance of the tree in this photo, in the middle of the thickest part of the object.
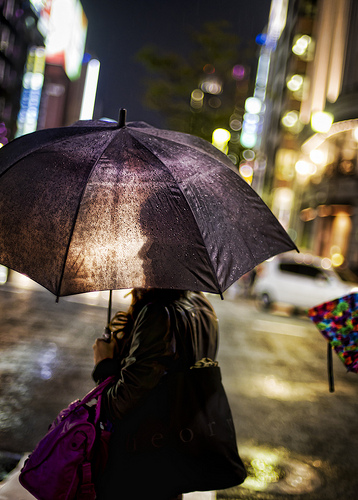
(205, 90)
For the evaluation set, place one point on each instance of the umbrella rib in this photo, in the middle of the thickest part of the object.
(183, 194)
(76, 214)
(192, 146)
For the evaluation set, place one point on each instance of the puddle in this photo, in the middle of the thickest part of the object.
(273, 471)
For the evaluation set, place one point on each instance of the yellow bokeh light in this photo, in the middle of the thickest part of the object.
(303, 167)
(220, 139)
(221, 135)
(284, 197)
(247, 172)
(295, 83)
(197, 95)
(321, 121)
(301, 45)
(318, 157)
(355, 134)
(197, 99)
(337, 259)
(290, 119)
(3, 275)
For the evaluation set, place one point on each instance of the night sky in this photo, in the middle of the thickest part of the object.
(117, 29)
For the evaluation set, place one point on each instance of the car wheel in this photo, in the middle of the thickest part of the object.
(265, 301)
(296, 311)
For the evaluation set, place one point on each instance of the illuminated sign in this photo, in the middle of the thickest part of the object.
(66, 38)
(37, 6)
(277, 21)
(32, 84)
(90, 89)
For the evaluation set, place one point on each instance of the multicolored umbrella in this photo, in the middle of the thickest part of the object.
(337, 320)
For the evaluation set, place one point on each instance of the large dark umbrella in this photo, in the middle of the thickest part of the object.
(101, 206)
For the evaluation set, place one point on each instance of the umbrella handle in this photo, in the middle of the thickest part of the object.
(122, 118)
(107, 335)
(330, 368)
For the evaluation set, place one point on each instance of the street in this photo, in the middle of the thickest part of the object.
(297, 439)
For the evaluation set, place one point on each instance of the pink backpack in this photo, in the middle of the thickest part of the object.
(62, 465)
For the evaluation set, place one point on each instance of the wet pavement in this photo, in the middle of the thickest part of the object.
(297, 439)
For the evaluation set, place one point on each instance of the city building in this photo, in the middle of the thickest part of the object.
(310, 129)
(19, 32)
(43, 72)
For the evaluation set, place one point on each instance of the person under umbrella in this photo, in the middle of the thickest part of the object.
(141, 351)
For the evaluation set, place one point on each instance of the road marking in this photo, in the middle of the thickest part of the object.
(279, 328)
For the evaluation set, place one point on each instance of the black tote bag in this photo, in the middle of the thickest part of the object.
(185, 430)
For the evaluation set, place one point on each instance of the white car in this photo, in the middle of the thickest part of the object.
(4, 272)
(298, 280)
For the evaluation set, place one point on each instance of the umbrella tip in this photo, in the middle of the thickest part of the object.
(122, 117)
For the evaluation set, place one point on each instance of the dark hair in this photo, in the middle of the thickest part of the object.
(140, 298)
(144, 296)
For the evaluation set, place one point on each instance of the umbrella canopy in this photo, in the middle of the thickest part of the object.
(101, 206)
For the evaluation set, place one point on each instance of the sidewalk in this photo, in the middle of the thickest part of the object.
(11, 489)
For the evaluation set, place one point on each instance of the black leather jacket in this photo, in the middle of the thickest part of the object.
(159, 336)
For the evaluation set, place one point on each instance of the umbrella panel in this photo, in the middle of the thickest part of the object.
(39, 199)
